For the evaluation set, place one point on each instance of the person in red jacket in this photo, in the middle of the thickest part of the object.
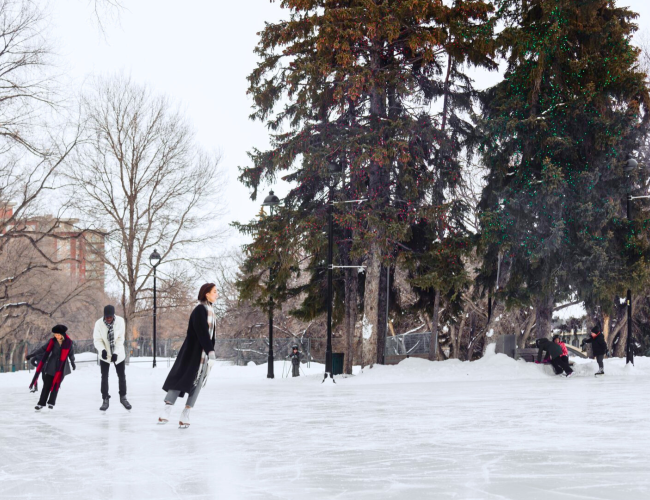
(565, 352)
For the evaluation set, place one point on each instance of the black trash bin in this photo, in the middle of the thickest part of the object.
(337, 363)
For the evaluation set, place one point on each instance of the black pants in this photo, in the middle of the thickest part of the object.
(560, 364)
(119, 368)
(47, 385)
(295, 371)
(599, 360)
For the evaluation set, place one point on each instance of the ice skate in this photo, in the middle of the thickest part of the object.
(569, 375)
(125, 402)
(50, 407)
(38, 407)
(184, 421)
(104, 405)
(164, 416)
(599, 372)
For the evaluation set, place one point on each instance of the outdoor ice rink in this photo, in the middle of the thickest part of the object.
(491, 429)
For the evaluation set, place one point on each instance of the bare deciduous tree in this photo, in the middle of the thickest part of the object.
(33, 287)
(142, 179)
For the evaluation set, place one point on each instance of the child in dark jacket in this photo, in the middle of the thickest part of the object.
(295, 361)
(554, 351)
(598, 346)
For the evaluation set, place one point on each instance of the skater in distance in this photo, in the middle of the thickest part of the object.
(55, 356)
(598, 346)
(195, 358)
(295, 361)
(108, 338)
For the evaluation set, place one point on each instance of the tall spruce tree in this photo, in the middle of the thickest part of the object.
(557, 131)
(351, 82)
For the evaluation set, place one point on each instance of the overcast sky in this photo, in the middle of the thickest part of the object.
(198, 52)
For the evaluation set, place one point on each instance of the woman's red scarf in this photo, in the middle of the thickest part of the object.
(66, 345)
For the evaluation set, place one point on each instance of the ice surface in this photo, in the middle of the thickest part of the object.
(491, 429)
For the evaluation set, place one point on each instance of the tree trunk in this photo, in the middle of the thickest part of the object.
(351, 292)
(371, 313)
(382, 325)
(433, 343)
(544, 315)
(607, 327)
(377, 199)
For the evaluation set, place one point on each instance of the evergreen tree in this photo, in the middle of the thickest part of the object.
(556, 131)
(352, 82)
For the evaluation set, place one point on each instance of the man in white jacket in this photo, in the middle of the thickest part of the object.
(109, 342)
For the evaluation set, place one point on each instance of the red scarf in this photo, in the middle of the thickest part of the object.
(66, 345)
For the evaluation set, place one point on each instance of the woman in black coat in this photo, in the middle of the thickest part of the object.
(196, 357)
(55, 358)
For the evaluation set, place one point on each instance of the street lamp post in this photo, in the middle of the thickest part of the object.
(270, 201)
(154, 260)
(630, 166)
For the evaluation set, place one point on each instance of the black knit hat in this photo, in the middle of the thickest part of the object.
(109, 311)
(60, 329)
(595, 329)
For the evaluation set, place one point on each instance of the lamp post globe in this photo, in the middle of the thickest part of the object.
(154, 260)
(630, 165)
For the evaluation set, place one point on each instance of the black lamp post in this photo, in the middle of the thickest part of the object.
(334, 169)
(630, 166)
(154, 260)
(270, 201)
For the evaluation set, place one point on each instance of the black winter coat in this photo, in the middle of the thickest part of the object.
(53, 359)
(598, 344)
(187, 364)
(554, 350)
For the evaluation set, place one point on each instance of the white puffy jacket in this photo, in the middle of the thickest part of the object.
(100, 338)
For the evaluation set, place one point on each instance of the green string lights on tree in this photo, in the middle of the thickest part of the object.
(557, 131)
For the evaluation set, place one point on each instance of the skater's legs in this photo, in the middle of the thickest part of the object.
(296, 370)
(599, 359)
(564, 364)
(47, 385)
(104, 387)
(172, 396)
(556, 365)
(52, 399)
(194, 394)
(119, 368)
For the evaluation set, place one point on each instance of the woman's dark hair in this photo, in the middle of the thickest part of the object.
(205, 289)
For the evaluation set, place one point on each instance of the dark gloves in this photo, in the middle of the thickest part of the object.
(74, 367)
(113, 358)
(27, 356)
(104, 354)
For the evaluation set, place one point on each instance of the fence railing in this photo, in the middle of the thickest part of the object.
(408, 343)
(237, 351)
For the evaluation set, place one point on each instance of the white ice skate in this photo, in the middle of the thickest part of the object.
(164, 416)
(184, 421)
(38, 407)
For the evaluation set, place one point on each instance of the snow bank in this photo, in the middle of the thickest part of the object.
(492, 367)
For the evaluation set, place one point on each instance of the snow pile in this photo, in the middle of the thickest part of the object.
(492, 367)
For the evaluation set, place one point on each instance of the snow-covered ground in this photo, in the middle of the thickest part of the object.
(491, 429)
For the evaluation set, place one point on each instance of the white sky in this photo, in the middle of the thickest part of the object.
(197, 52)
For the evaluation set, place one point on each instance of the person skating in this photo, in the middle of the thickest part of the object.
(554, 352)
(295, 361)
(55, 356)
(598, 346)
(195, 358)
(108, 338)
